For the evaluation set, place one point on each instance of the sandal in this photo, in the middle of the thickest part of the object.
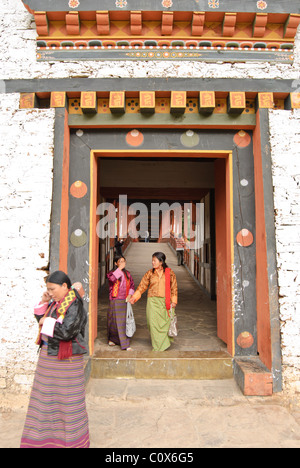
(111, 343)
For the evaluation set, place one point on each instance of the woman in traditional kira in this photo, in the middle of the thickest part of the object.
(121, 288)
(57, 416)
(162, 296)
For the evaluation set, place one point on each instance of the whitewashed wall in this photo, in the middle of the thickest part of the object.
(26, 150)
(285, 144)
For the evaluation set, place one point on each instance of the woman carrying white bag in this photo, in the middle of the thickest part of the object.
(121, 288)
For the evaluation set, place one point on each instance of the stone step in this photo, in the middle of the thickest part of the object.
(172, 365)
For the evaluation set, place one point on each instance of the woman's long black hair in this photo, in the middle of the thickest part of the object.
(59, 277)
(116, 259)
(162, 258)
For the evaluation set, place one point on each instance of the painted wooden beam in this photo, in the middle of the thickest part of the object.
(136, 25)
(236, 102)
(167, 23)
(88, 102)
(147, 102)
(58, 99)
(251, 6)
(178, 102)
(28, 101)
(147, 84)
(198, 21)
(265, 100)
(139, 120)
(117, 102)
(207, 102)
(42, 23)
(103, 22)
(291, 25)
(259, 24)
(73, 23)
(229, 23)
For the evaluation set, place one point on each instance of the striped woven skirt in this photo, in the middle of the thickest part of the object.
(116, 323)
(57, 416)
(158, 322)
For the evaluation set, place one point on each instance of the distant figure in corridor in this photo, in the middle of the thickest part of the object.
(160, 291)
(121, 287)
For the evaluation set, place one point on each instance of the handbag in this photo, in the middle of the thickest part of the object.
(173, 331)
(130, 322)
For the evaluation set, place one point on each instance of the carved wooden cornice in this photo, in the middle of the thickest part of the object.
(207, 30)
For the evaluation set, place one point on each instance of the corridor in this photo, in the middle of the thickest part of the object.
(197, 322)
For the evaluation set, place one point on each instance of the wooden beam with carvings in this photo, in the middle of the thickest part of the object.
(207, 102)
(167, 23)
(58, 99)
(103, 22)
(259, 24)
(73, 23)
(88, 102)
(117, 102)
(147, 102)
(198, 22)
(136, 20)
(291, 25)
(229, 23)
(236, 102)
(178, 102)
(42, 23)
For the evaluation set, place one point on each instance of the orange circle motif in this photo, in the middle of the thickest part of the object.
(242, 139)
(78, 189)
(245, 340)
(134, 138)
(244, 238)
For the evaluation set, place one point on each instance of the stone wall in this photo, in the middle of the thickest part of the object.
(285, 145)
(26, 162)
(26, 150)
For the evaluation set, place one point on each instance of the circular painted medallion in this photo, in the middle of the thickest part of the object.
(189, 139)
(78, 189)
(244, 238)
(245, 340)
(242, 139)
(78, 238)
(134, 138)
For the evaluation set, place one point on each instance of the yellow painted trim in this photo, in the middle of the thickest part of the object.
(167, 153)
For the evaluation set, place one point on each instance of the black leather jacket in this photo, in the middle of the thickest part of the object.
(72, 328)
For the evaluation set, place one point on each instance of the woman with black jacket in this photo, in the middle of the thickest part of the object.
(57, 414)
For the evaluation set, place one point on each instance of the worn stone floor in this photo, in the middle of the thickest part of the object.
(156, 414)
(196, 313)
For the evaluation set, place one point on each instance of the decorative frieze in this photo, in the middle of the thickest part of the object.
(169, 34)
(150, 102)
